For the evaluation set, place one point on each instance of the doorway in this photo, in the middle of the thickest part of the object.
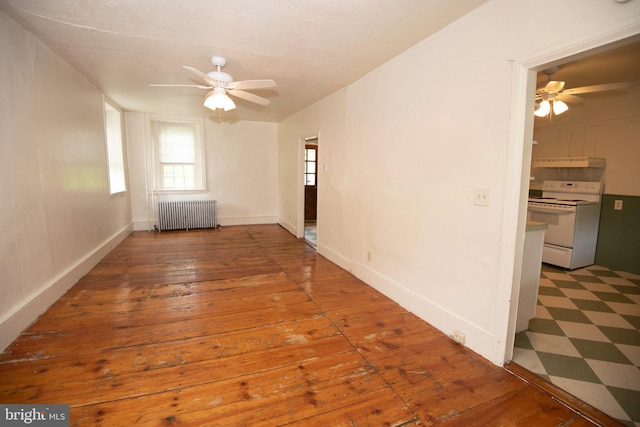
(565, 343)
(311, 191)
(525, 77)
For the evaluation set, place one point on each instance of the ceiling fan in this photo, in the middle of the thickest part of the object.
(552, 98)
(221, 85)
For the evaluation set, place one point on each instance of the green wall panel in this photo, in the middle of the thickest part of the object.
(619, 236)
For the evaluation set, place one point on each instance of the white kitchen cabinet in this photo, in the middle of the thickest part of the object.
(530, 276)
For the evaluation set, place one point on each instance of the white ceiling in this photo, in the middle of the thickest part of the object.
(310, 48)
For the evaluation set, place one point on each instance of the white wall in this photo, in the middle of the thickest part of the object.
(417, 136)
(241, 162)
(56, 216)
(605, 125)
(335, 185)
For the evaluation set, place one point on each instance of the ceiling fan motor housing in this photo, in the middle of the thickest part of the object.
(220, 78)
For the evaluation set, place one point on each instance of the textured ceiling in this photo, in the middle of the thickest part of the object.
(310, 48)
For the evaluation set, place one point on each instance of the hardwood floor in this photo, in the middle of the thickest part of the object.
(249, 326)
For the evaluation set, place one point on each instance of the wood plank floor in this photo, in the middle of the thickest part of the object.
(249, 326)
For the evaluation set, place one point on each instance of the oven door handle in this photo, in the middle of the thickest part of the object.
(551, 211)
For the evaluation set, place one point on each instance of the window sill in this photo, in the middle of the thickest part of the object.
(118, 194)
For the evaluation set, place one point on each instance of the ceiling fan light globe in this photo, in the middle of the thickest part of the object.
(217, 99)
(559, 107)
(543, 110)
(228, 104)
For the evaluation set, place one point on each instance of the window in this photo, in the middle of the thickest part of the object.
(178, 158)
(115, 156)
(310, 163)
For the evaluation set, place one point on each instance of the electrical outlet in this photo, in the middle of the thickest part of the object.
(481, 197)
(617, 205)
(459, 337)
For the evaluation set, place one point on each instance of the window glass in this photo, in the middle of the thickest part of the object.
(178, 176)
(179, 163)
(115, 152)
(310, 159)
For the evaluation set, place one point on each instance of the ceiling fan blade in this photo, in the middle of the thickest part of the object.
(248, 96)
(596, 88)
(200, 74)
(553, 86)
(252, 84)
(569, 98)
(178, 85)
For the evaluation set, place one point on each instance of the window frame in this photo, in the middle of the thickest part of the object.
(200, 174)
(308, 162)
(116, 159)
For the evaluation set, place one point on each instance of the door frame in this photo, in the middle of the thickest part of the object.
(302, 141)
(311, 145)
(524, 77)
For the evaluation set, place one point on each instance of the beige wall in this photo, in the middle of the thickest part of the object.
(241, 163)
(57, 218)
(417, 137)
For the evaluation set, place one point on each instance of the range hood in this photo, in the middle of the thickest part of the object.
(570, 162)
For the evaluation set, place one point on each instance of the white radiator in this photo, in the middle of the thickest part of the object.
(183, 215)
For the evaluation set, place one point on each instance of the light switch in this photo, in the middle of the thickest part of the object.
(481, 197)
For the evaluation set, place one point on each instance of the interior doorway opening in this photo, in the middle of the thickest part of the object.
(571, 363)
(311, 190)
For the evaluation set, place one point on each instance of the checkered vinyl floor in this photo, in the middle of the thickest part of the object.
(585, 338)
(311, 233)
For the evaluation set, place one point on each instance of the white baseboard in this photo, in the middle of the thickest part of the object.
(143, 226)
(477, 339)
(18, 319)
(336, 258)
(226, 221)
(247, 220)
(291, 228)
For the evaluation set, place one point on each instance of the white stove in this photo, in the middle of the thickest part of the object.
(572, 211)
(549, 200)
